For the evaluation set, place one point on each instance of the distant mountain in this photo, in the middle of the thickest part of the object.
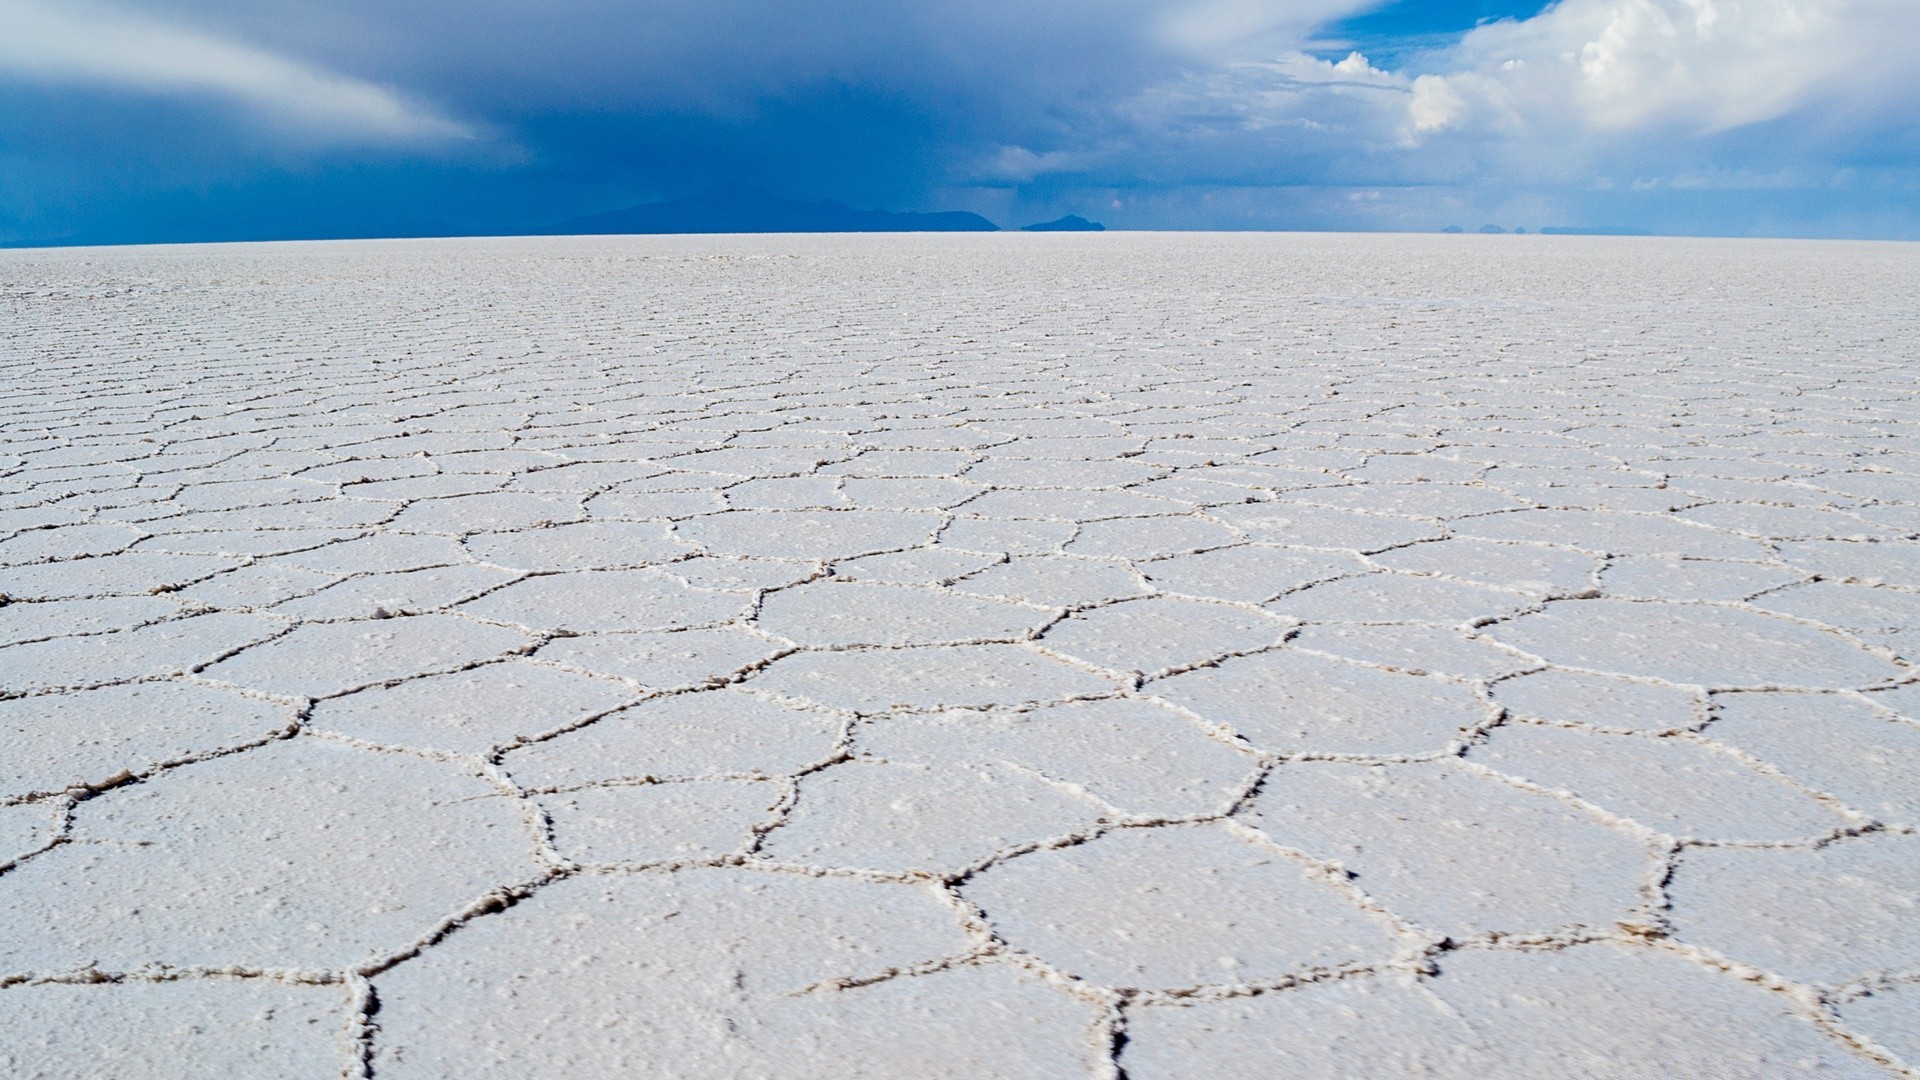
(734, 208)
(1070, 223)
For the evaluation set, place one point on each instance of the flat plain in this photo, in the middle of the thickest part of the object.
(988, 656)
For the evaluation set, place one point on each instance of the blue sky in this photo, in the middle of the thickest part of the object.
(227, 119)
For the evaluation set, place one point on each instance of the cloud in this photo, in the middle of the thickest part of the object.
(1694, 66)
(1185, 112)
(71, 42)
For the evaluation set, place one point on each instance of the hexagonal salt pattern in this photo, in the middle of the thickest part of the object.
(989, 656)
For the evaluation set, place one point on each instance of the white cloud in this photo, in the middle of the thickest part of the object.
(1701, 66)
(74, 42)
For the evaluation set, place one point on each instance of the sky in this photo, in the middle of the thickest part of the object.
(173, 120)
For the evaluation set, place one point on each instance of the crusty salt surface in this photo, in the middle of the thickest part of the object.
(914, 656)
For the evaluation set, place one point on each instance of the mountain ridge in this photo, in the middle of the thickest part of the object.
(738, 208)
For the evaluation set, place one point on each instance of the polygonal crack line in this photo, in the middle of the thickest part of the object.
(1697, 689)
(1769, 769)
(1480, 684)
(186, 610)
(1134, 681)
(1812, 1003)
(78, 793)
(1857, 824)
(1880, 708)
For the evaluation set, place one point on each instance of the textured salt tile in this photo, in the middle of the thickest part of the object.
(436, 486)
(1146, 538)
(1867, 485)
(713, 731)
(809, 534)
(1822, 916)
(250, 543)
(950, 676)
(1443, 501)
(1028, 473)
(788, 493)
(589, 546)
(593, 600)
(1886, 563)
(1673, 786)
(1176, 906)
(762, 462)
(1868, 761)
(320, 659)
(654, 504)
(673, 660)
(698, 968)
(916, 567)
(1292, 702)
(1453, 850)
(1071, 505)
(712, 572)
(1249, 572)
(1007, 537)
(336, 514)
(462, 514)
(495, 461)
(235, 494)
(1890, 1017)
(903, 463)
(1613, 533)
(1903, 699)
(1616, 1010)
(971, 1021)
(1709, 646)
(333, 856)
(383, 552)
(898, 816)
(1904, 520)
(130, 574)
(1160, 632)
(1134, 755)
(1383, 598)
(907, 493)
(658, 822)
(1055, 579)
(1880, 615)
(470, 711)
(261, 584)
(582, 476)
(29, 621)
(57, 741)
(34, 517)
(407, 592)
(1303, 525)
(1781, 522)
(1528, 568)
(29, 826)
(368, 470)
(1600, 701)
(1416, 649)
(174, 647)
(202, 1028)
(846, 613)
(1691, 579)
(66, 542)
(1363, 1028)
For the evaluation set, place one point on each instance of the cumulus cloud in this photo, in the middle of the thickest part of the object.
(1703, 66)
(71, 42)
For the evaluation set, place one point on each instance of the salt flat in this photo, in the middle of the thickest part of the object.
(1159, 655)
